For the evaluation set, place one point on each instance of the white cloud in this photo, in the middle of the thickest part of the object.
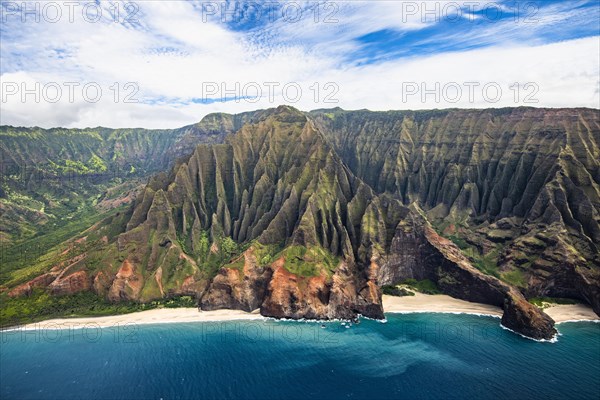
(171, 54)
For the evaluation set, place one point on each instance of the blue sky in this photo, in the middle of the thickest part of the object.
(452, 33)
(181, 60)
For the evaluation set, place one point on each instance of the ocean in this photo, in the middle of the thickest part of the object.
(412, 356)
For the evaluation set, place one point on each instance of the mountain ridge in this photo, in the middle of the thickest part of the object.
(320, 207)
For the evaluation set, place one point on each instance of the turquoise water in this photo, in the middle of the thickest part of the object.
(412, 356)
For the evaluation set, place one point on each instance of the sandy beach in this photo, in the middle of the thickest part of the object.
(446, 304)
(571, 312)
(436, 303)
(157, 316)
(391, 304)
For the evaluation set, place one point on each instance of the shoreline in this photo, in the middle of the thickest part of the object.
(148, 317)
(419, 303)
(572, 313)
(443, 304)
(439, 303)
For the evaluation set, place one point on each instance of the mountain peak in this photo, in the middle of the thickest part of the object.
(282, 113)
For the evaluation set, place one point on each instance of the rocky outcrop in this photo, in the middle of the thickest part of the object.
(41, 281)
(76, 282)
(293, 296)
(345, 295)
(101, 283)
(240, 289)
(354, 293)
(417, 251)
(127, 283)
(456, 277)
(525, 318)
(587, 283)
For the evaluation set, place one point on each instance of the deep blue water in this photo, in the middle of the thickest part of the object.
(413, 356)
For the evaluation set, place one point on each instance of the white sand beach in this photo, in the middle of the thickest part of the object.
(436, 303)
(446, 304)
(156, 316)
(571, 312)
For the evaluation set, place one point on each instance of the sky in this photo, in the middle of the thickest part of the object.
(165, 64)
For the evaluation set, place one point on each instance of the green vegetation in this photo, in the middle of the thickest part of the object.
(460, 242)
(203, 246)
(229, 248)
(515, 277)
(22, 261)
(423, 286)
(228, 254)
(96, 164)
(265, 254)
(487, 263)
(396, 291)
(238, 264)
(545, 302)
(41, 305)
(299, 260)
(308, 262)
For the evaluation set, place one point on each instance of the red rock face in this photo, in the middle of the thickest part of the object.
(158, 278)
(293, 296)
(73, 283)
(345, 295)
(101, 283)
(127, 284)
(235, 289)
(192, 287)
(41, 281)
(57, 280)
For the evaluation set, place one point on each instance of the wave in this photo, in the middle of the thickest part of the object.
(554, 338)
(444, 312)
(595, 321)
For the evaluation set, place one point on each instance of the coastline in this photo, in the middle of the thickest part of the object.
(419, 303)
(440, 303)
(155, 316)
(571, 313)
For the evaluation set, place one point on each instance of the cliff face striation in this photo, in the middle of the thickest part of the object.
(517, 189)
(306, 215)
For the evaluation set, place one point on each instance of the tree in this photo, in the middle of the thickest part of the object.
(203, 246)
(229, 247)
